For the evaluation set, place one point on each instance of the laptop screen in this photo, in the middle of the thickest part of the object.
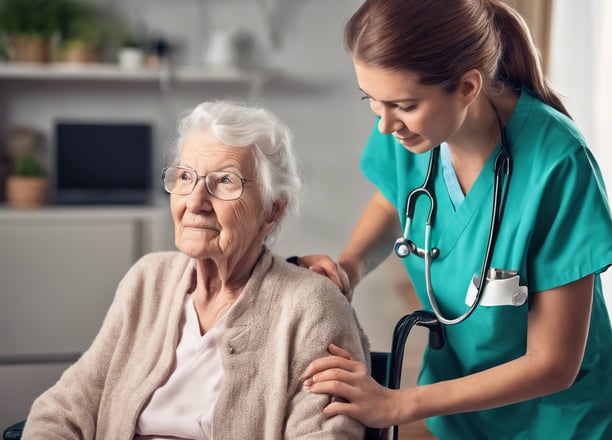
(102, 163)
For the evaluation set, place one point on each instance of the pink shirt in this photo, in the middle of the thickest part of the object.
(183, 407)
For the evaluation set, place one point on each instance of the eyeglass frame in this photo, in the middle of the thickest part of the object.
(243, 180)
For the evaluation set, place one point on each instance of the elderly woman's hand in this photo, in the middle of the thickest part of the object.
(324, 265)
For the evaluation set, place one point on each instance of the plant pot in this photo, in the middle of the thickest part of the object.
(26, 192)
(130, 57)
(80, 53)
(32, 49)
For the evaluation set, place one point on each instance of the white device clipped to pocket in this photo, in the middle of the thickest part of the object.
(501, 289)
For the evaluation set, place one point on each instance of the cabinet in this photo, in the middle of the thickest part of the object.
(59, 268)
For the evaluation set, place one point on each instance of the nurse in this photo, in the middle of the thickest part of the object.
(458, 73)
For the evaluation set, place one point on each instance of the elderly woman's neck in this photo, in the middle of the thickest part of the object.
(224, 277)
(218, 285)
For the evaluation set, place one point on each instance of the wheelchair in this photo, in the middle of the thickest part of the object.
(386, 366)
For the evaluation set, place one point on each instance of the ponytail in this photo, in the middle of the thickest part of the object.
(520, 60)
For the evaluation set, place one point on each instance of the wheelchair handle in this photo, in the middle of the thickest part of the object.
(402, 329)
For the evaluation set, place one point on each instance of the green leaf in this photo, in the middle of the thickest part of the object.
(27, 165)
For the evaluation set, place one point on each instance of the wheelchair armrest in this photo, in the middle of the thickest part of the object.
(381, 364)
(13, 432)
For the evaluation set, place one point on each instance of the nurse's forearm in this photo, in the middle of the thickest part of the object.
(506, 384)
(371, 240)
(556, 339)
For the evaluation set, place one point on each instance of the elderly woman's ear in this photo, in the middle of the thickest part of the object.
(276, 212)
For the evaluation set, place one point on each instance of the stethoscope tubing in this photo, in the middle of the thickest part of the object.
(499, 196)
(404, 247)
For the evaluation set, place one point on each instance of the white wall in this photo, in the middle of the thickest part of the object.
(321, 103)
(581, 70)
(318, 99)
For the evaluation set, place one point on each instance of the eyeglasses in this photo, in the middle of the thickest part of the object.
(220, 184)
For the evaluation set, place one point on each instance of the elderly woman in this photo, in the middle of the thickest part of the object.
(210, 342)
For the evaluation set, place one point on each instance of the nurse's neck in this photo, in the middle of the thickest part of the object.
(478, 136)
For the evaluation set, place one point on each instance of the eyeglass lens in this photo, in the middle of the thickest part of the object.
(221, 184)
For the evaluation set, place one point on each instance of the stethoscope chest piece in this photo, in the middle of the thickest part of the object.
(404, 247)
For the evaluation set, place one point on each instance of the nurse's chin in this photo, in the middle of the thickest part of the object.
(415, 144)
(421, 148)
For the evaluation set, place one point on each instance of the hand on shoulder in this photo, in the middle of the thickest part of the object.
(326, 266)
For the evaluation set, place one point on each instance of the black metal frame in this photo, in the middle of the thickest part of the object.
(423, 318)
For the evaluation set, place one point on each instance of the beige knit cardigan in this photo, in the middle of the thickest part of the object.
(284, 318)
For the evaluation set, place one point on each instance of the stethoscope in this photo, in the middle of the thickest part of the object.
(404, 246)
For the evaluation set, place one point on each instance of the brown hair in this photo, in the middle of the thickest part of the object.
(440, 40)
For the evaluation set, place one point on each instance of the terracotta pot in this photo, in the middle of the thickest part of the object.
(78, 53)
(30, 49)
(26, 192)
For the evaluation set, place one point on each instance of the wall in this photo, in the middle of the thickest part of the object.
(319, 100)
(317, 97)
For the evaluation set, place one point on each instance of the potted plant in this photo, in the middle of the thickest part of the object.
(130, 54)
(85, 32)
(29, 26)
(27, 187)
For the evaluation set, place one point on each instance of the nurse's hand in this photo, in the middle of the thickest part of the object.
(325, 266)
(362, 397)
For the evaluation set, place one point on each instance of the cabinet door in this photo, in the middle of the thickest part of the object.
(20, 384)
(57, 279)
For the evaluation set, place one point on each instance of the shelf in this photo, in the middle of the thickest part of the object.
(112, 72)
(81, 212)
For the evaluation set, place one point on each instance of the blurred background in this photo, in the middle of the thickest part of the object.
(90, 93)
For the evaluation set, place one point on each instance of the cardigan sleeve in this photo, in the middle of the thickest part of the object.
(69, 409)
(325, 317)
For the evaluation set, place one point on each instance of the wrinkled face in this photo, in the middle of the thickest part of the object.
(205, 226)
(420, 117)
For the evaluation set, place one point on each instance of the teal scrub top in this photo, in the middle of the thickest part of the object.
(556, 229)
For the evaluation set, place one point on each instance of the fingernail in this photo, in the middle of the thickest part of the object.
(308, 383)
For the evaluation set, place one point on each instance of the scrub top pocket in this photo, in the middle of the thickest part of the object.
(498, 292)
(497, 330)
